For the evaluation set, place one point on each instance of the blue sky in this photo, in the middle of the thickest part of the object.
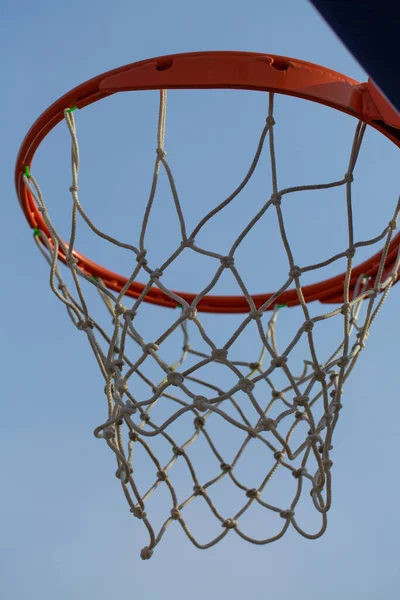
(65, 530)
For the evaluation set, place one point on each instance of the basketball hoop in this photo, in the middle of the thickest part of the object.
(312, 398)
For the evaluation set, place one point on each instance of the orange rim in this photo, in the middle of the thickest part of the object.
(208, 70)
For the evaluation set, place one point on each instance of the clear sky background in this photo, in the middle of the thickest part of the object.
(65, 529)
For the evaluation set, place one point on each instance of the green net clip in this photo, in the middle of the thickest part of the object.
(70, 110)
(27, 172)
(36, 232)
(282, 305)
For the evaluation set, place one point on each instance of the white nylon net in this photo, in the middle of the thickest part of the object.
(159, 410)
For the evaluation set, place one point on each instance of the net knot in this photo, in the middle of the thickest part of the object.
(198, 490)
(253, 494)
(336, 406)
(177, 451)
(276, 199)
(278, 455)
(308, 325)
(175, 379)
(346, 308)
(319, 374)
(301, 400)
(286, 514)
(129, 314)
(74, 189)
(121, 385)
(133, 436)
(360, 343)
(119, 309)
(219, 354)
(327, 417)
(229, 524)
(138, 512)
(299, 472)
(141, 257)
(42, 209)
(130, 407)
(313, 438)
(343, 361)
(111, 365)
(156, 274)
(148, 348)
(225, 467)
(70, 261)
(275, 394)
(188, 243)
(227, 261)
(279, 361)
(246, 385)
(270, 120)
(254, 366)
(299, 415)
(350, 252)
(146, 553)
(327, 463)
(295, 271)
(393, 224)
(145, 417)
(123, 473)
(108, 433)
(201, 403)
(348, 178)
(199, 422)
(161, 153)
(256, 314)
(190, 313)
(321, 448)
(267, 425)
(175, 513)
(162, 475)
(363, 336)
(85, 324)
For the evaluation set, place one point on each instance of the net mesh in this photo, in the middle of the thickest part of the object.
(262, 400)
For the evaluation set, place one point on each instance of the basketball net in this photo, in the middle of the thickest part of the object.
(254, 406)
